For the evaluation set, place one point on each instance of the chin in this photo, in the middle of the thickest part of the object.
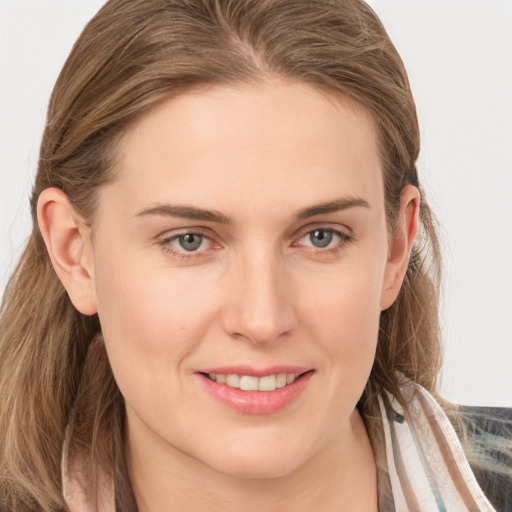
(259, 461)
(258, 470)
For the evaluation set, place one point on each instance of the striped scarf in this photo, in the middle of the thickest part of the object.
(427, 467)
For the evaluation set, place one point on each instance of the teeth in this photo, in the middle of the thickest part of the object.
(267, 383)
(250, 383)
(282, 379)
(233, 381)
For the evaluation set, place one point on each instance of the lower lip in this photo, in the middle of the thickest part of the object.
(257, 402)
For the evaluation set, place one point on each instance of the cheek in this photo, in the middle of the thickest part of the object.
(348, 294)
(353, 326)
(151, 320)
(135, 296)
(345, 318)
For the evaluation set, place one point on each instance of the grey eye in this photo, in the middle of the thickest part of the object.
(190, 241)
(321, 237)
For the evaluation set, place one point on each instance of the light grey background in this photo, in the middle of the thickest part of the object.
(459, 57)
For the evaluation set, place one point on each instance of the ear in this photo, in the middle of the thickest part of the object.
(401, 244)
(68, 242)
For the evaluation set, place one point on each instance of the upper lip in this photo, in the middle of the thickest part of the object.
(255, 372)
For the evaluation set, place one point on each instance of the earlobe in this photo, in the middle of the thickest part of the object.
(67, 241)
(401, 245)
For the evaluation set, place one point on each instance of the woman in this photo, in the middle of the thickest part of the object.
(234, 308)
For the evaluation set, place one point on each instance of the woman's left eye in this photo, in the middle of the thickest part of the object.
(323, 238)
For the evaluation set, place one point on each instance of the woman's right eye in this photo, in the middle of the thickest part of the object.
(190, 241)
(187, 244)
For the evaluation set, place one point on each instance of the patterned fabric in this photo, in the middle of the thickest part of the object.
(427, 467)
(428, 471)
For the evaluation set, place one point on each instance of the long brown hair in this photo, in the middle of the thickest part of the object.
(132, 55)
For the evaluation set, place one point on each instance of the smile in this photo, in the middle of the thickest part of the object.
(251, 383)
(266, 393)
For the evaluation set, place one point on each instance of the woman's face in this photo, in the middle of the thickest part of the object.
(244, 237)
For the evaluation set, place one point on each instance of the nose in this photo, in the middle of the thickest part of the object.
(259, 306)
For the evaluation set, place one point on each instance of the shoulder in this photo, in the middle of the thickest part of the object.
(486, 436)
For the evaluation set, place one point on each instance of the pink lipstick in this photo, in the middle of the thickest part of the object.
(256, 391)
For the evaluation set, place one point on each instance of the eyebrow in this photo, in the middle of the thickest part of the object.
(187, 212)
(332, 206)
(194, 213)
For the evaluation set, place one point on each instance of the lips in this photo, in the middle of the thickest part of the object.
(252, 391)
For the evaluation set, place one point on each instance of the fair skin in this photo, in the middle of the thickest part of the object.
(270, 279)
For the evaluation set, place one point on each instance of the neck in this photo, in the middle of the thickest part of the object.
(341, 476)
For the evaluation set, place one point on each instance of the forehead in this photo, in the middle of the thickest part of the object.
(261, 143)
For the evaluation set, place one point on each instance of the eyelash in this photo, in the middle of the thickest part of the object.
(344, 238)
(167, 246)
